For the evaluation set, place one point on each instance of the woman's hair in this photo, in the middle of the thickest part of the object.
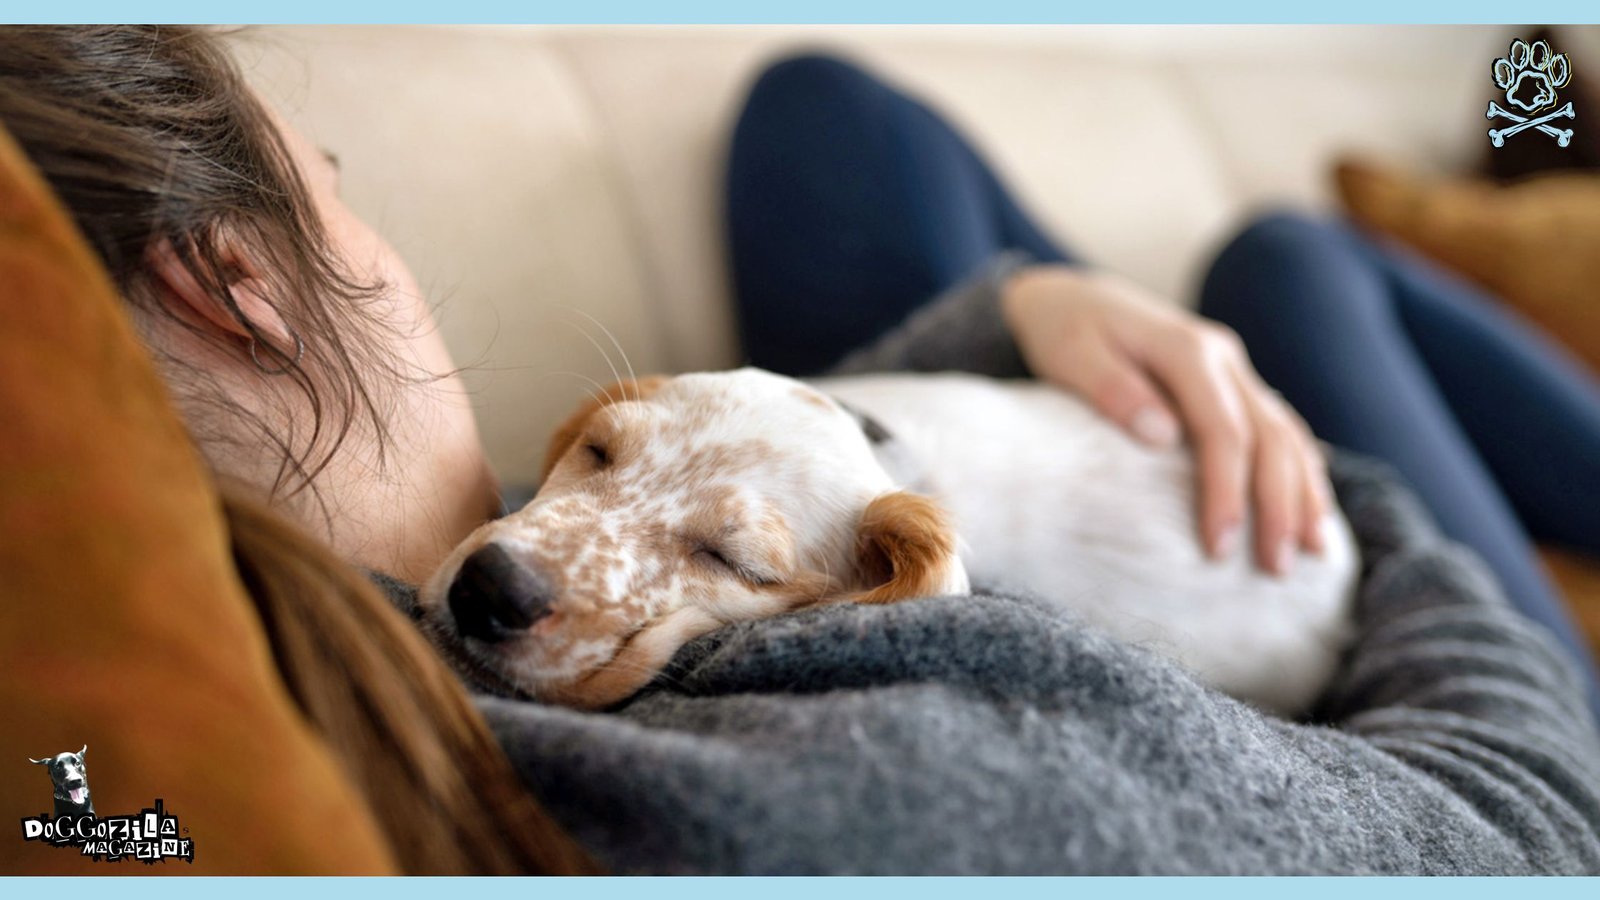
(149, 134)
(398, 719)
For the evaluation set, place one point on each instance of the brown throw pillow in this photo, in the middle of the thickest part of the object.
(123, 624)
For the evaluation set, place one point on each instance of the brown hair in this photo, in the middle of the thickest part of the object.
(395, 716)
(149, 133)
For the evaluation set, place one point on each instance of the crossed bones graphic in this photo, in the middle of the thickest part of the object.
(1497, 136)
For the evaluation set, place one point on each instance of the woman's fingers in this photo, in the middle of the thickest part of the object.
(1278, 477)
(1309, 464)
(1318, 499)
(1117, 388)
(1152, 368)
(1195, 362)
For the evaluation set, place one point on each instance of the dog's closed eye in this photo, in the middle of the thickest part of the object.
(598, 454)
(713, 557)
(716, 558)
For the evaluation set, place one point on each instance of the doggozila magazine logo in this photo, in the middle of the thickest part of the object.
(151, 835)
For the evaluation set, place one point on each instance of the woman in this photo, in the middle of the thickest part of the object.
(294, 342)
(1497, 430)
(302, 359)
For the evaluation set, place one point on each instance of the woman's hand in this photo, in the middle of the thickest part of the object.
(1150, 366)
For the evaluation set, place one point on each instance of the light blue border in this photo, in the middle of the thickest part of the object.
(836, 888)
(804, 11)
(815, 12)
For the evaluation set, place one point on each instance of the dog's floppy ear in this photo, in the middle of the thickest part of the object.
(568, 432)
(905, 548)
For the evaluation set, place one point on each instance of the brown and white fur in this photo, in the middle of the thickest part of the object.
(673, 506)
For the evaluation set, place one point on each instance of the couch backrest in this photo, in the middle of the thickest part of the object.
(528, 173)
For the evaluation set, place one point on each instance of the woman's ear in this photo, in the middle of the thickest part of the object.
(906, 548)
(245, 285)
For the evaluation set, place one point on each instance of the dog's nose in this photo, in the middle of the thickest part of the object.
(494, 597)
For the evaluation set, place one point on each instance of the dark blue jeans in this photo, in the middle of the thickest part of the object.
(849, 205)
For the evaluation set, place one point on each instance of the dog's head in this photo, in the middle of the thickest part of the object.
(671, 506)
(69, 776)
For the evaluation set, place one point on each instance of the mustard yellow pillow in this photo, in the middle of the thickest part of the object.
(123, 624)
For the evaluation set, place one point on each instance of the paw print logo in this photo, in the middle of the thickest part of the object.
(1531, 74)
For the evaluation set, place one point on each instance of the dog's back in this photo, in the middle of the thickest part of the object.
(1051, 498)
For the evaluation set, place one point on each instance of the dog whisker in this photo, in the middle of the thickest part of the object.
(596, 392)
(616, 375)
(633, 377)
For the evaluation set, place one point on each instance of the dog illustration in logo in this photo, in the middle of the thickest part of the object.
(1530, 74)
(71, 781)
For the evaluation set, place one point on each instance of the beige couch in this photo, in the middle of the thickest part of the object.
(530, 172)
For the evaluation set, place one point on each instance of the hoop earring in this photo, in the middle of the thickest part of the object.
(299, 353)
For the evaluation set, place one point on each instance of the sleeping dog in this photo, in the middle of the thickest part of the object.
(673, 506)
(70, 778)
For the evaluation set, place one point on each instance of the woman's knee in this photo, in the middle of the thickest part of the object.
(1275, 238)
(798, 87)
(807, 118)
(1278, 262)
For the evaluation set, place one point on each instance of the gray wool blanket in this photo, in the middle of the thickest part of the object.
(998, 734)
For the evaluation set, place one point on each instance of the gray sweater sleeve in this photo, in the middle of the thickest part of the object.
(960, 330)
